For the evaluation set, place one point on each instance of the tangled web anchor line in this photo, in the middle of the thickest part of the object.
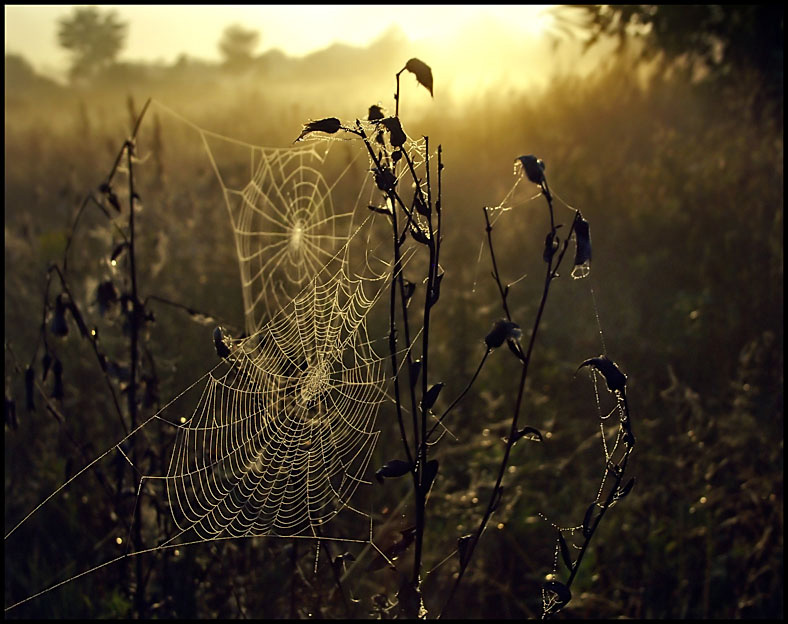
(280, 439)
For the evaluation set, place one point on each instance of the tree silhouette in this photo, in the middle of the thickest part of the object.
(93, 38)
(237, 45)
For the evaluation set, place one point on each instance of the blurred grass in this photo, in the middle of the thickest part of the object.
(683, 188)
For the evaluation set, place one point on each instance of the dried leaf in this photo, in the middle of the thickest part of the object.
(588, 519)
(501, 331)
(415, 369)
(565, 555)
(329, 125)
(615, 379)
(393, 469)
(107, 296)
(528, 431)
(219, 343)
(58, 326)
(464, 544)
(422, 71)
(436, 289)
(397, 135)
(432, 395)
(533, 168)
(430, 471)
(409, 288)
(375, 113)
(561, 591)
(583, 247)
(626, 489)
(418, 203)
(419, 234)
(385, 179)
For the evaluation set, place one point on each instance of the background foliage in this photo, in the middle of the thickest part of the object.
(682, 184)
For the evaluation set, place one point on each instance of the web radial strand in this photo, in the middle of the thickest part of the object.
(287, 227)
(281, 438)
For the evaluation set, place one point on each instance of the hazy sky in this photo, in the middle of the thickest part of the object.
(164, 32)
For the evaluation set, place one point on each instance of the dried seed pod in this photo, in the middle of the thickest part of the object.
(615, 379)
(582, 264)
(58, 326)
(422, 71)
(329, 125)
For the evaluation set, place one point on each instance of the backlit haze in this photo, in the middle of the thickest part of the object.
(469, 47)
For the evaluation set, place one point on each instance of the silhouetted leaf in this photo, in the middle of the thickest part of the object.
(502, 330)
(46, 362)
(528, 431)
(588, 519)
(393, 469)
(626, 489)
(533, 168)
(385, 179)
(58, 326)
(615, 379)
(375, 113)
(464, 544)
(409, 288)
(107, 296)
(397, 135)
(415, 369)
(396, 155)
(384, 210)
(565, 555)
(422, 72)
(29, 385)
(432, 395)
(222, 349)
(419, 234)
(418, 203)
(119, 249)
(57, 390)
(550, 246)
(436, 289)
(561, 591)
(583, 247)
(329, 125)
(430, 471)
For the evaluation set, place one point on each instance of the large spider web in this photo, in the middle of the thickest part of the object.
(284, 427)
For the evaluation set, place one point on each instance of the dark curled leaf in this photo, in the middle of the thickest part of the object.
(29, 384)
(384, 210)
(58, 326)
(565, 554)
(432, 395)
(107, 296)
(46, 362)
(418, 234)
(561, 592)
(528, 431)
(464, 544)
(385, 179)
(533, 168)
(588, 519)
(583, 247)
(418, 203)
(615, 379)
(514, 348)
(396, 155)
(502, 330)
(626, 489)
(497, 498)
(391, 470)
(415, 369)
(375, 113)
(118, 250)
(430, 471)
(436, 289)
(422, 71)
(409, 288)
(10, 414)
(397, 135)
(57, 390)
(113, 200)
(222, 350)
(329, 125)
(550, 246)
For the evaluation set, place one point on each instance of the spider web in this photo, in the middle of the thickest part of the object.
(284, 427)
